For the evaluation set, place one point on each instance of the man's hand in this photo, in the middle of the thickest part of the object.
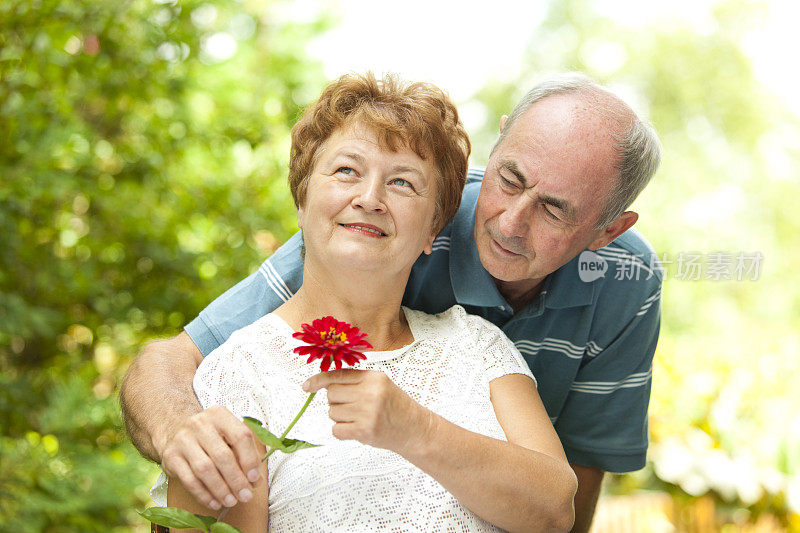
(209, 453)
(368, 407)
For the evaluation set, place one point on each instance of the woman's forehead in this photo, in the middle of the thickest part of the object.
(361, 141)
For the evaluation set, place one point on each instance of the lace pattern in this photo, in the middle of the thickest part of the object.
(345, 485)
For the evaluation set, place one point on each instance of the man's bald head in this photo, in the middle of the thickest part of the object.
(637, 148)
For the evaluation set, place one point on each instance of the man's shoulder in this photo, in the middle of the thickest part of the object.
(631, 258)
(631, 286)
(633, 242)
(475, 174)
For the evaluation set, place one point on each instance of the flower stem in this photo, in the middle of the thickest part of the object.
(296, 418)
(272, 450)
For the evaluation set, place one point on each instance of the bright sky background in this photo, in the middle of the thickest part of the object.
(459, 47)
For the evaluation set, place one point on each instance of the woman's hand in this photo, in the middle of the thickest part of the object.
(368, 407)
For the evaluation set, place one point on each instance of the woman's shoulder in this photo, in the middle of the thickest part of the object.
(268, 329)
(269, 324)
(453, 322)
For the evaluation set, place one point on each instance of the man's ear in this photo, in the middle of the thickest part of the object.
(503, 121)
(619, 226)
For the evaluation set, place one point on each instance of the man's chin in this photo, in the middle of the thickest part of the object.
(503, 270)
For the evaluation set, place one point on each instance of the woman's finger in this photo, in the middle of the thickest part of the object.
(347, 412)
(324, 379)
(344, 393)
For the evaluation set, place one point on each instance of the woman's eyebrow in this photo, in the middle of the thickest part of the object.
(406, 169)
(398, 169)
(355, 156)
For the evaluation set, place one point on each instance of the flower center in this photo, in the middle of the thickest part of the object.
(332, 337)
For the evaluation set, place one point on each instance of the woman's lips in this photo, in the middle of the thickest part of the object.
(365, 229)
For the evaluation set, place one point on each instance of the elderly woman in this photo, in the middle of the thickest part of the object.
(441, 428)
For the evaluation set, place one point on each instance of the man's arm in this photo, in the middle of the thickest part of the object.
(157, 392)
(167, 425)
(589, 481)
(163, 416)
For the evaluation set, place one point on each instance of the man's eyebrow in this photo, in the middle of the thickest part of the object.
(558, 203)
(512, 167)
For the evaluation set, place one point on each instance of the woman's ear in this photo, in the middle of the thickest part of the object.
(428, 250)
(300, 214)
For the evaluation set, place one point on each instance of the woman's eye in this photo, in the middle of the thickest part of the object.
(401, 182)
(345, 170)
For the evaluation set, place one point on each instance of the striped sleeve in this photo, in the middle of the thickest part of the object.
(603, 422)
(260, 293)
(475, 174)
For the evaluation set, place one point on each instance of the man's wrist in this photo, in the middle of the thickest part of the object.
(165, 431)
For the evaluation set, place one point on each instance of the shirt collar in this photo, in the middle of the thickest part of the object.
(565, 289)
(472, 284)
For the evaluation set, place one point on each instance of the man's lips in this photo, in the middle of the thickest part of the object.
(503, 251)
(366, 229)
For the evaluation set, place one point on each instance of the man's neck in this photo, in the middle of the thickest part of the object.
(519, 293)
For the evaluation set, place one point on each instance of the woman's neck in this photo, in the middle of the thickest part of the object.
(366, 300)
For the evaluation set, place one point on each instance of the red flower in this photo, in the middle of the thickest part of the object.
(332, 341)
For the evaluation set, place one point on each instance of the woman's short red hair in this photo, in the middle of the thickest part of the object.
(418, 115)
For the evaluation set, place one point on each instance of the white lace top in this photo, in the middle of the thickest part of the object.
(346, 485)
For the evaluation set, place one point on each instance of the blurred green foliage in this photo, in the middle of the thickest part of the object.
(143, 147)
(725, 414)
(142, 169)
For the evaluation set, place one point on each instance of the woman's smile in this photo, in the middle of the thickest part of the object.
(365, 229)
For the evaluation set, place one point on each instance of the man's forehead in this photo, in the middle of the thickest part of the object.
(573, 118)
(563, 140)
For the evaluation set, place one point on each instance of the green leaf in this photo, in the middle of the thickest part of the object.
(292, 445)
(263, 434)
(268, 439)
(177, 518)
(222, 527)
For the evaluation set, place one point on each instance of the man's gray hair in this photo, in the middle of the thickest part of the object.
(639, 147)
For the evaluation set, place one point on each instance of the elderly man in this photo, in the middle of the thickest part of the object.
(531, 249)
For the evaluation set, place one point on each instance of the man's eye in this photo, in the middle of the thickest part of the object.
(507, 183)
(551, 214)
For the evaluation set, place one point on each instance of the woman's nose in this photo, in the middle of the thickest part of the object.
(370, 196)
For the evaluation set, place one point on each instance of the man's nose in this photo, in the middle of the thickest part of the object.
(371, 195)
(515, 220)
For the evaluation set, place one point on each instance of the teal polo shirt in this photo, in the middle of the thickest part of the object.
(589, 336)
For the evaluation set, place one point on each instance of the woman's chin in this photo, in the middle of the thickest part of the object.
(360, 262)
